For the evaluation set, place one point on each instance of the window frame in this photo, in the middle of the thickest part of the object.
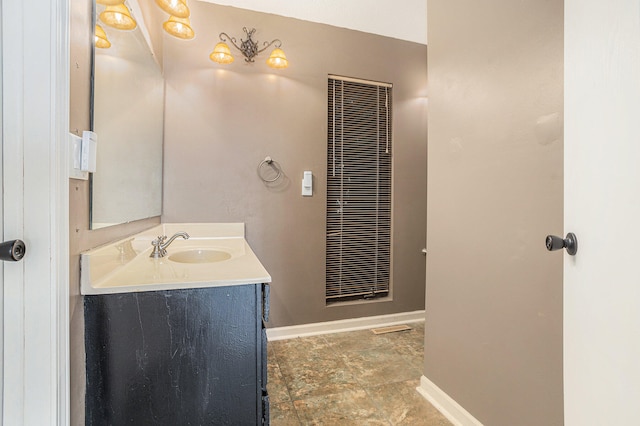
(358, 280)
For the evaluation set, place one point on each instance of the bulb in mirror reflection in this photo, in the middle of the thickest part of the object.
(101, 39)
(179, 27)
(177, 8)
(109, 2)
(118, 16)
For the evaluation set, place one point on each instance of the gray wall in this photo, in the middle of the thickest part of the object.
(495, 173)
(221, 122)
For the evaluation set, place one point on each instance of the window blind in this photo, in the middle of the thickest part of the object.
(358, 239)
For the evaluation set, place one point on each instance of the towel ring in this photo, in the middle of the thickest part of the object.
(269, 162)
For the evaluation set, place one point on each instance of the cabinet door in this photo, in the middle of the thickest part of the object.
(175, 357)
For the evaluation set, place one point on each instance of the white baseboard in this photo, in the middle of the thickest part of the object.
(314, 329)
(445, 404)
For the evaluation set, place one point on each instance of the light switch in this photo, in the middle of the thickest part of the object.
(75, 152)
(307, 184)
(89, 148)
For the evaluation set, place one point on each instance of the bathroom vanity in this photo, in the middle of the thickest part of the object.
(165, 345)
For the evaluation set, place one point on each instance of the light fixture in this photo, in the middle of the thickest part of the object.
(221, 54)
(177, 8)
(249, 49)
(118, 16)
(179, 27)
(101, 38)
(277, 59)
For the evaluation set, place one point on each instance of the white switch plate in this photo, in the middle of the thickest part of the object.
(75, 157)
(89, 148)
(307, 184)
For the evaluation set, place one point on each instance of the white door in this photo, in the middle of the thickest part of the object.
(602, 207)
(34, 125)
(1, 235)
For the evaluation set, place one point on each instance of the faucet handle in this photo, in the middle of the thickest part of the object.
(160, 246)
(158, 251)
(159, 240)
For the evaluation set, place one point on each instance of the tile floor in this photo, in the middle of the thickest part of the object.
(353, 378)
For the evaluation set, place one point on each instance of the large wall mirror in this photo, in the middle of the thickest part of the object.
(128, 116)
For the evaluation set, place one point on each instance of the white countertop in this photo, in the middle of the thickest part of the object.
(125, 266)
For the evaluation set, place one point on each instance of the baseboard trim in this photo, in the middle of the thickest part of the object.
(363, 323)
(445, 404)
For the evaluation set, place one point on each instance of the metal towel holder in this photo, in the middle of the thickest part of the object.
(268, 161)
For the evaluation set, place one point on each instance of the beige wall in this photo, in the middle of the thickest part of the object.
(221, 122)
(494, 295)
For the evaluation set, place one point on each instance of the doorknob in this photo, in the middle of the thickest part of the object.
(570, 242)
(12, 251)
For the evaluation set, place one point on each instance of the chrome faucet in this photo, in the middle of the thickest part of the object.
(160, 247)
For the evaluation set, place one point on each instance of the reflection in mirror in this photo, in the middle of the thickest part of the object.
(128, 111)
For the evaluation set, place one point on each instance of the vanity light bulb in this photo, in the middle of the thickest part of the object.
(277, 59)
(221, 54)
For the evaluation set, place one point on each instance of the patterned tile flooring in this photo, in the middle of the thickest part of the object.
(353, 378)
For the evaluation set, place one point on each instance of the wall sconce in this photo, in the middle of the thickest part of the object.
(118, 16)
(249, 49)
(101, 38)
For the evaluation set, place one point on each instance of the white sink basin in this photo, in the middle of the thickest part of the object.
(200, 256)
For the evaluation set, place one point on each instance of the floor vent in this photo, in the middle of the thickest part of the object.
(390, 329)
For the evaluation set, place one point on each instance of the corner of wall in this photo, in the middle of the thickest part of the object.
(445, 404)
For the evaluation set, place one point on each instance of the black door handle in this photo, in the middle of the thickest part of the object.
(13, 250)
(570, 242)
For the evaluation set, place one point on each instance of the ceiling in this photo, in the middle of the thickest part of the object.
(383, 17)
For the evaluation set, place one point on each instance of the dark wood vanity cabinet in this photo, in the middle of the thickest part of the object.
(177, 357)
